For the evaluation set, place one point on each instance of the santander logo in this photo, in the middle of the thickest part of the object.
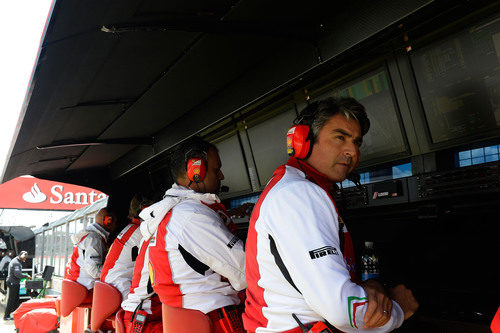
(28, 192)
(59, 196)
(35, 195)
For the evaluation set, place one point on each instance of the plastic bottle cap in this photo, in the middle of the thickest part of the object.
(369, 245)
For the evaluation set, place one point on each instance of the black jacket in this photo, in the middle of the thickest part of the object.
(15, 271)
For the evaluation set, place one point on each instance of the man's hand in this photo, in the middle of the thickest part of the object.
(404, 297)
(378, 311)
(243, 210)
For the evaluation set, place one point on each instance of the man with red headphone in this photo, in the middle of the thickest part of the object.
(126, 269)
(90, 248)
(300, 258)
(195, 261)
(119, 263)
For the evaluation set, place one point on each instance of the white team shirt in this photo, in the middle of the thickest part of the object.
(200, 231)
(119, 264)
(89, 252)
(302, 219)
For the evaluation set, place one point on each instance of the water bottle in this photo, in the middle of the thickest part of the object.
(370, 263)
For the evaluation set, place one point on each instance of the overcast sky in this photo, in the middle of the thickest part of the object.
(21, 26)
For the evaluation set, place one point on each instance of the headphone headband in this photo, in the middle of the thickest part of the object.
(201, 152)
(308, 114)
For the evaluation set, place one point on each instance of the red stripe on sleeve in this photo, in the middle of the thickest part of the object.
(115, 251)
(253, 316)
(161, 271)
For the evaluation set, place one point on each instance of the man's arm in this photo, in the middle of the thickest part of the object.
(2, 263)
(304, 225)
(94, 254)
(207, 238)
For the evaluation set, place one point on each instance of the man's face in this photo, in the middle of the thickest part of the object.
(335, 149)
(214, 174)
(23, 257)
(99, 217)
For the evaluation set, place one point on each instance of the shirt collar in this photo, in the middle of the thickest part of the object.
(184, 192)
(312, 174)
(99, 229)
(135, 221)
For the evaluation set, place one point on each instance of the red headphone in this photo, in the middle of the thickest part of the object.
(299, 141)
(196, 169)
(107, 220)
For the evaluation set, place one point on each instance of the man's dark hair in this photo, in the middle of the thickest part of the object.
(318, 113)
(137, 204)
(194, 147)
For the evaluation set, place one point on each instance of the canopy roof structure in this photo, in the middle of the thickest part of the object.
(19, 233)
(119, 82)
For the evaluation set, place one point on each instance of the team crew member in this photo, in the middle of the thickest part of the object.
(142, 297)
(299, 256)
(4, 263)
(14, 277)
(120, 260)
(89, 249)
(196, 262)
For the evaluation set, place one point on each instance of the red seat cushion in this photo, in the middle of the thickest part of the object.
(38, 321)
(175, 320)
(106, 301)
(58, 307)
(119, 323)
(72, 295)
(25, 307)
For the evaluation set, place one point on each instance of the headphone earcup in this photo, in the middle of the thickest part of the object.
(107, 220)
(196, 170)
(298, 141)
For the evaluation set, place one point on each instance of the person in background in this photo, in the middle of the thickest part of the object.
(13, 283)
(141, 295)
(4, 263)
(300, 257)
(119, 264)
(90, 248)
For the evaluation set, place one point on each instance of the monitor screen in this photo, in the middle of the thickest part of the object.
(374, 91)
(47, 273)
(233, 165)
(459, 82)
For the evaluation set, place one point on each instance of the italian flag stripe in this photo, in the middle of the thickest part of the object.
(353, 303)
